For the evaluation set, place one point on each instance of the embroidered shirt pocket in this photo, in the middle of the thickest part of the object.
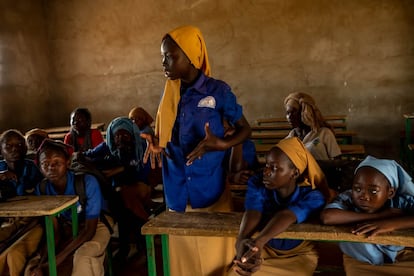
(208, 101)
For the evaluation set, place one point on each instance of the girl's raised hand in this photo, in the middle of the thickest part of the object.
(153, 151)
(209, 143)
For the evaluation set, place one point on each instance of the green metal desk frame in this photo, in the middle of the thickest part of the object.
(50, 236)
(152, 268)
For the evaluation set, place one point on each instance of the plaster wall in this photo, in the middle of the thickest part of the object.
(25, 79)
(355, 57)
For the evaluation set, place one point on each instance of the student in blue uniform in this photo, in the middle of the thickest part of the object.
(189, 126)
(291, 189)
(88, 248)
(21, 176)
(381, 201)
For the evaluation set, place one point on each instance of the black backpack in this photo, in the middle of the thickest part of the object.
(80, 191)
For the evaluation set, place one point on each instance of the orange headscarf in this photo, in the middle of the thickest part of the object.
(191, 42)
(306, 164)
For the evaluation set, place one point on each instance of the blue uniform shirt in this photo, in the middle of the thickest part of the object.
(375, 254)
(29, 178)
(207, 101)
(303, 203)
(94, 199)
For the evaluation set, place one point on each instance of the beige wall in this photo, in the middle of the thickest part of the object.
(356, 57)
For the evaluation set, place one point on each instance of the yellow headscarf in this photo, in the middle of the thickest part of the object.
(306, 164)
(191, 42)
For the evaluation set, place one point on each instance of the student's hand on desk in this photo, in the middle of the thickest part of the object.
(153, 151)
(209, 143)
(371, 229)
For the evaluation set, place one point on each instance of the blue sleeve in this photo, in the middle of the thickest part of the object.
(94, 199)
(99, 152)
(255, 198)
(342, 201)
(249, 154)
(232, 110)
(148, 130)
(309, 203)
(404, 202)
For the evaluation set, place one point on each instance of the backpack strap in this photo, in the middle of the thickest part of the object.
(80, 191)
(80, 188)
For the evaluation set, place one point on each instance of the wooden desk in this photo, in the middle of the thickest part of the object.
(47, 206)
(227, 225)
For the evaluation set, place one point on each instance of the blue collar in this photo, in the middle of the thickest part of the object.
(200, 84)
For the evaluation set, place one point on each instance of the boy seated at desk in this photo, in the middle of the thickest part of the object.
(290, 189)
(81, 136)
(18, 176)
(381, 201)
(88, 248)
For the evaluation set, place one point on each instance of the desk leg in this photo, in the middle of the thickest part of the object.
(75, 223)
(165, 255)
(50, 239)
(152, 270)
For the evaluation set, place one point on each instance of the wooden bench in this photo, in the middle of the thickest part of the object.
(286, 126)
(58, 133)
(343, 136)
(227, 225)
(353, 149)
(331, 119)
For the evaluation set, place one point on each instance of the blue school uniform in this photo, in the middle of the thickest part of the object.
(94, 199)
(29, 178)
(201, 183)
(375, 254)
(304, 202)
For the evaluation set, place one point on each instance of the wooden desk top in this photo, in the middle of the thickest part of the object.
(35, 206)
(227, 224)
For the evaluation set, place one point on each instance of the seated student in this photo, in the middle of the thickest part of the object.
(125, 148)
(20, 176)
(142, 119)
(81, 137)
(290, 189)
(88, 248)
(308, 124)
(34, 139)
(381, 201)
